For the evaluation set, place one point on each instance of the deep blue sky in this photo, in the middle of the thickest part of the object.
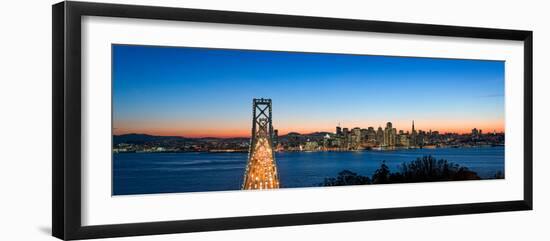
(208, 92)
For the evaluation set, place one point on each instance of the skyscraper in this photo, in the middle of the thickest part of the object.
(389, 135)
(413, 140)
(380, 136)
(355, 140)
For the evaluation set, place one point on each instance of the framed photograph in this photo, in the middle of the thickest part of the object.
(169, 120)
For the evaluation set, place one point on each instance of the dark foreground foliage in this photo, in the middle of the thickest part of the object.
(345, 178)
(425, 169)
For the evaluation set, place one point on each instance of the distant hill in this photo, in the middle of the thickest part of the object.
(315, 136)
(139, 139)
(144, 138)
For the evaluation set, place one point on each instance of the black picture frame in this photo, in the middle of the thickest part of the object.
(66, 158)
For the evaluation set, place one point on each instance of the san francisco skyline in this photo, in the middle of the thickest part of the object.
(198, 92)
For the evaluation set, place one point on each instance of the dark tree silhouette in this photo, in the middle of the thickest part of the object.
(425, 169)
(428, 169)
(382, 174)
(345, 178)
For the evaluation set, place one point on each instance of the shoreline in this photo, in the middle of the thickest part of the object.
(312, 151)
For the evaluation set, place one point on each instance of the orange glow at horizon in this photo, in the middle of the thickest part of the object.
(233, 131)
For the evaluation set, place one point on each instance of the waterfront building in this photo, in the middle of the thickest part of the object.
(371, 135)
(345, 132)
(336, 142)
(421, 138)
(403, 140)
(390, 134)
(394, 137)
(311, 146)
(355, 138)
(380, 136)
(364, 135)
(345, 138)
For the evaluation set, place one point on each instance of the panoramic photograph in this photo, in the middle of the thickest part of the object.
(188, 119)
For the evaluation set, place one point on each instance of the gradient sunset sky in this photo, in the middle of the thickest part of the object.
(199, 92)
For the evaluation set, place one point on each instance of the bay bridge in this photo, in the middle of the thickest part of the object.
(261, 168)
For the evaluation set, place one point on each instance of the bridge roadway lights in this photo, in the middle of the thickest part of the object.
(261, 169)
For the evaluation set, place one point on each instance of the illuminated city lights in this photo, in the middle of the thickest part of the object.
(261, 170)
